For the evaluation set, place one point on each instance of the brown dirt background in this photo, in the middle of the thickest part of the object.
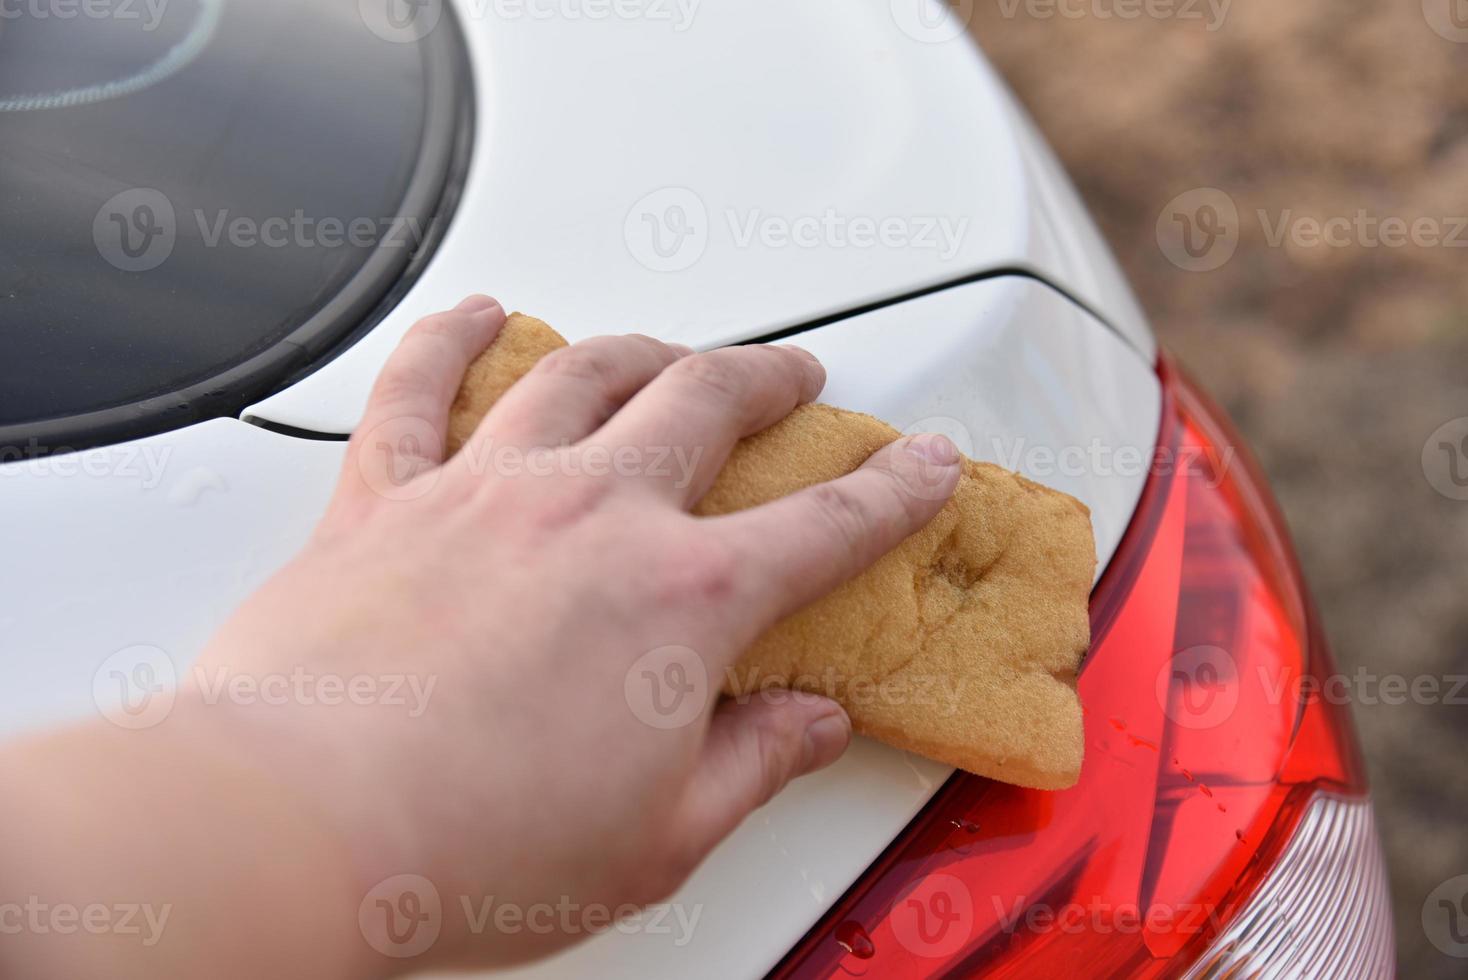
(1336, 363)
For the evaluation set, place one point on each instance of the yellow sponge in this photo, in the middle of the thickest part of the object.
(961, 645)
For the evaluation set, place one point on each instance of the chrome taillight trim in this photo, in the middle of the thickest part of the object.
(1324, 911)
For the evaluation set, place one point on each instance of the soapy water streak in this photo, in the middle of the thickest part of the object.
(179, 57)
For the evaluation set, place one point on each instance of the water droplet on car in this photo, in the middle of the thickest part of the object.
(965, 844)
(851, 937)
(191, 487)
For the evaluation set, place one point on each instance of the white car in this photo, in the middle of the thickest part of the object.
(219, 216)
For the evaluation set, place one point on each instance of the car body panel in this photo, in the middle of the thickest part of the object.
(757, 120)
(152, 543)
(145, 543)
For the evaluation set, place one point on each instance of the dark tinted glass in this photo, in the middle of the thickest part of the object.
(200, 197)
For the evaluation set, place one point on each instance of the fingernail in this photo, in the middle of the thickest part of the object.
(477, 303)
(934, 448)
(683, 349)
(825, 740)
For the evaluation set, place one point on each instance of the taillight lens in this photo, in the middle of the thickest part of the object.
(1207, 737)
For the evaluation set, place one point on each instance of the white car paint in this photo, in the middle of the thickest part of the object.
(759, 111)
(148, 543)
(106, 559)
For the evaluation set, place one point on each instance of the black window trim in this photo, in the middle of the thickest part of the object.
(431, 199)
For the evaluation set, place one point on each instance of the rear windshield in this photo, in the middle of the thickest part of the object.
(184, 186)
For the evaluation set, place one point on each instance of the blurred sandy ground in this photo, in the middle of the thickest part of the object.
(1337, 363)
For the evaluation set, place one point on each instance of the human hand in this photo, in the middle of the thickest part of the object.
(537, 615)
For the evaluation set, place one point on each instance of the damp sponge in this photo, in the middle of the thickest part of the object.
(961, 645)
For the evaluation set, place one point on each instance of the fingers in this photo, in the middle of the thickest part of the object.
(805, 545)
(752, 751)
(704, 404)
(403, 429)
(572, 391)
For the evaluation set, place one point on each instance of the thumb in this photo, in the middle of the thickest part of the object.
(752, 750)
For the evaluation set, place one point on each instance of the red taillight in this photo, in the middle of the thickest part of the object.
(1206, 742)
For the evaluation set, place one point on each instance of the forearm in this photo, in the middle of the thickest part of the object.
(165, 853)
